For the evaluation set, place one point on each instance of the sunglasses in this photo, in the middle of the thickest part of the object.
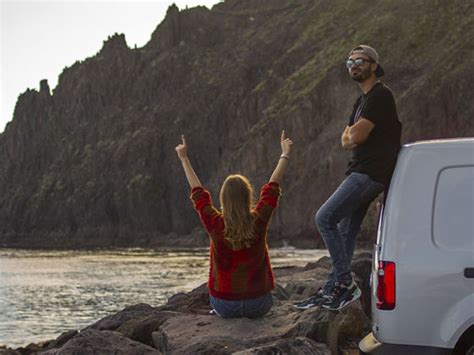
(359, 61)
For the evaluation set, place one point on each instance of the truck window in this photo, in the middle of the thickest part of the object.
(453, 211)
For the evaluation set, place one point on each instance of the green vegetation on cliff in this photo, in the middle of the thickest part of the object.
(93, 164)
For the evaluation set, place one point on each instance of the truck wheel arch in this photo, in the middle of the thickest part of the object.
(465, 344)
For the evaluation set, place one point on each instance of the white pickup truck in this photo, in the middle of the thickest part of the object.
(423, 269)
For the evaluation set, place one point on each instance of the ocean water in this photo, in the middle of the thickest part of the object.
(44, 293)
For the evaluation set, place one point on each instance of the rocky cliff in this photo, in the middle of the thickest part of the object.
(92, 163)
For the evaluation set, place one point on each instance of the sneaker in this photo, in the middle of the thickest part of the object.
(342, 295)
(314, 301)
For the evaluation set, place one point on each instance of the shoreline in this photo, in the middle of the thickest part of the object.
(184, 321)
(92, 283)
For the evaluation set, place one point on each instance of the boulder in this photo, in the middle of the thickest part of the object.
(103, 342)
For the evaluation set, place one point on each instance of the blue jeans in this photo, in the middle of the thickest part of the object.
(339, 220)
(250, 308)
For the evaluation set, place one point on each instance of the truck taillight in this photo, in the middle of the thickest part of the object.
(386, 285)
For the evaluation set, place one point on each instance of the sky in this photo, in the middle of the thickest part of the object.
(38, 38)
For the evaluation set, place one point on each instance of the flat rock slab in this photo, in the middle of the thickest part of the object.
(300, 346)
(212, 334)
(186, 331)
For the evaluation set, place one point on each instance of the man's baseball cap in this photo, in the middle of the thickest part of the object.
(372, 54)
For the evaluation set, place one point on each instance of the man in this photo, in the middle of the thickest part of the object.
(373, 135)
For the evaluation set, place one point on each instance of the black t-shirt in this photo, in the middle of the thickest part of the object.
(377, 156)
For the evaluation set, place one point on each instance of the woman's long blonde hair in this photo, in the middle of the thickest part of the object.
(236, 202)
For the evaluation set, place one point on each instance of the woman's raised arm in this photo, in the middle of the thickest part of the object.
(286, 144)
(182, 151)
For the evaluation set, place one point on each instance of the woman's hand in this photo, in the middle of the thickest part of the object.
(182, 149)
(285, 144)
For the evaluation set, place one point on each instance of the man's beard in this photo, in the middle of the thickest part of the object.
(362, 76)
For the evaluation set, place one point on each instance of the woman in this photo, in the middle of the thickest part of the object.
(240, 275)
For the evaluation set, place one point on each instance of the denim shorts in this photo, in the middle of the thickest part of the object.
(250, 308)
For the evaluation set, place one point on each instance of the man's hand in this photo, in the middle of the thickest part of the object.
(346, 140)
(359, 132)
(182, 149)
